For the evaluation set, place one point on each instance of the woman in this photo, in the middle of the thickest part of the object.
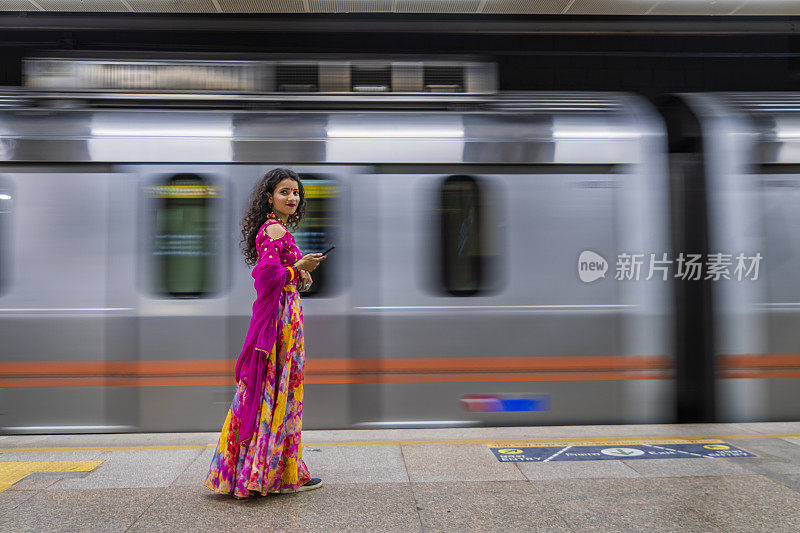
(259, 448)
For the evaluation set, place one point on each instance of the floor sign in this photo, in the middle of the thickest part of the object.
(543, 454)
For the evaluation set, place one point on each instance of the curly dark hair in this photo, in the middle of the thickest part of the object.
(260, 208)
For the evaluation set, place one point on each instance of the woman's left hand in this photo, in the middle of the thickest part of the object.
(305, 280)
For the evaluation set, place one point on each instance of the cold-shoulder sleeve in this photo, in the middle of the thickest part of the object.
(270, 251)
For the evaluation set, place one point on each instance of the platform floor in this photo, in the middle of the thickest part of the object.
(418, 480)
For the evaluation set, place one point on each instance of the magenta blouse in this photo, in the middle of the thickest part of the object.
(272, 273)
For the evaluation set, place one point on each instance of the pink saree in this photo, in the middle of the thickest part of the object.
(259, 448)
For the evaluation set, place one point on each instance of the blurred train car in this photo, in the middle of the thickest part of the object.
(454, 291)
(736, 164)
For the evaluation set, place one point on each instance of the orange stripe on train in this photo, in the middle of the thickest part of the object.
(376, 370)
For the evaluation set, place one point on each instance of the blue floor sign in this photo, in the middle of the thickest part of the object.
(605, 452)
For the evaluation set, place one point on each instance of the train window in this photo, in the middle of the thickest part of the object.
(316, 230)
(463, 246)
(5, 215)
(185, 246)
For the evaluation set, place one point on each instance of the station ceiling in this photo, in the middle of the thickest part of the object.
(728, 8)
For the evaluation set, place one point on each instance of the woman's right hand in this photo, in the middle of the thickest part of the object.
(309, 262)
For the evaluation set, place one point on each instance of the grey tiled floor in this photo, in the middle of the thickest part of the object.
(415, 480)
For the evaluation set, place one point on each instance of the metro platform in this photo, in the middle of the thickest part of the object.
(686, 477)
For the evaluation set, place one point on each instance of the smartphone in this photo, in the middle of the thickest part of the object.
(326, 252)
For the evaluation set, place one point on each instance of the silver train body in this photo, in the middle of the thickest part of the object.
(477, 262)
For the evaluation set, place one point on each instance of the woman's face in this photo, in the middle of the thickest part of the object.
(286, 197)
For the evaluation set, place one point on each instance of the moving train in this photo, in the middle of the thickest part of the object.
(501, 258)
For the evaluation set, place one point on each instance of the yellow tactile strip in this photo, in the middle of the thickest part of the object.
(11, 472)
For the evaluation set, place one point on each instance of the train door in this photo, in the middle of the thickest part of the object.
(59, 352)
(477, 296)
(183, 286)
(426, 321)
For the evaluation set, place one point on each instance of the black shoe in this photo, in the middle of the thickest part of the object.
(313, 483)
